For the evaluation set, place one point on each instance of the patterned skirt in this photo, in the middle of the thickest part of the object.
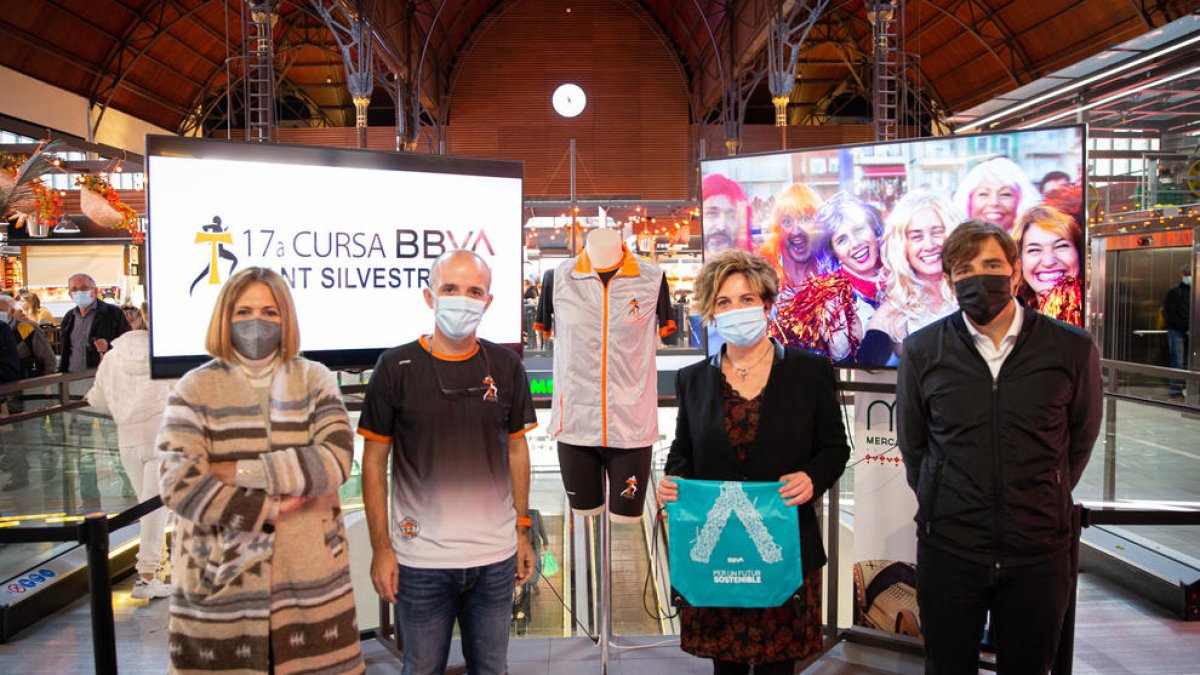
(754, 636)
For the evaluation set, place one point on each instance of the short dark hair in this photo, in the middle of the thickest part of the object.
(1053, 175)
(1185, 269)
(963, 243)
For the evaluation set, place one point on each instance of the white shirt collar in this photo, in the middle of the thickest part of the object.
(1014, 328)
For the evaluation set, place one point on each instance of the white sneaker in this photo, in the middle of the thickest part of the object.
(147, 589)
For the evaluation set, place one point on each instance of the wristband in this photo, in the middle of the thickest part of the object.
(524, 521)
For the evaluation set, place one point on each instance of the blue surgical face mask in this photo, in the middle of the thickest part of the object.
(742, 327)
(457, 316)
(82, 298)
(3, 317)
(1187, 281)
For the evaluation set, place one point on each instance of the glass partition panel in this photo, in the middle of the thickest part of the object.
(1146, 456)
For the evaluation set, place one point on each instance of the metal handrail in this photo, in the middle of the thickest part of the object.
(60, 380)
(1153, 371)
(44, 381)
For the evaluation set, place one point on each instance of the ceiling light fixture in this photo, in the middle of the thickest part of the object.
(1120, 67)
(1114, 97)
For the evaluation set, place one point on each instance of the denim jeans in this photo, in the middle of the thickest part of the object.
(1177, 348)
(480, 598)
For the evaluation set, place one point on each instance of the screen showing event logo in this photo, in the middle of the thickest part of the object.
(856, 232)
(353, 233)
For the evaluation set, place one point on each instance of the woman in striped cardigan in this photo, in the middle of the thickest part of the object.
(254, 445)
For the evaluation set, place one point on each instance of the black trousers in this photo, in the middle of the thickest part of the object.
(1027, 603)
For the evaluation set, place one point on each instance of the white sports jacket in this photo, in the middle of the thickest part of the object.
(605, 338)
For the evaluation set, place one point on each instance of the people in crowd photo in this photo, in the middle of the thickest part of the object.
(254, 445)
(796, 242)
(916, 292)
(1051, 247)
(725, 215)
(997, 410)
(996, 190)
(1053, 181)
(759, 411)
(828, 312)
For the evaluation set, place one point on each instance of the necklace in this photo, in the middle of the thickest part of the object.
(742, 373)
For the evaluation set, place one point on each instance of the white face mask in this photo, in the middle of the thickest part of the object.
(3, 317)
(742, 327)
(1187, 281)
(82, 299)
(457, 316)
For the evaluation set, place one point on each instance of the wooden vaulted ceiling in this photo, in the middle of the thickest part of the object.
(169, 61)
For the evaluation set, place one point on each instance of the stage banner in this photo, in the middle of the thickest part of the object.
(885, 536)
(733, 544)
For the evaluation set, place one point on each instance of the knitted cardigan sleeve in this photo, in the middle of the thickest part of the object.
(319, 466)
(187, 486)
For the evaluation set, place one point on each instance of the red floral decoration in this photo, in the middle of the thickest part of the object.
(50, 204)
(49, 200)
(129, 217)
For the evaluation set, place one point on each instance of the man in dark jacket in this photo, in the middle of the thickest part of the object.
(1177, 313)
(998, 408)
(10, 370)
(89, 328)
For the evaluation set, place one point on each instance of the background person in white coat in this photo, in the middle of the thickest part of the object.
(123, 388)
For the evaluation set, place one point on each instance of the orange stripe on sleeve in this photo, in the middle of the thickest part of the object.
(372, 436)
(518, 434)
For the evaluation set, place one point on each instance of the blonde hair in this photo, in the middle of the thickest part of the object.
(903, 286)
(218, 342)
(137, 320)
(35, 303)
(759, 274)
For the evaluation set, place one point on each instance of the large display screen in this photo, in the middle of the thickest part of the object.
(353, 232)
(856, 232)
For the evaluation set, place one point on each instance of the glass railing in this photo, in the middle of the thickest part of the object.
(62, 462)
(65, 464)
(1146, 455)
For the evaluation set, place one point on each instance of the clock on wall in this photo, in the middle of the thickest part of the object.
(569, 100)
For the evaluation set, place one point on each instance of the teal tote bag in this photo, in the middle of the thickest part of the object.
(733, 544)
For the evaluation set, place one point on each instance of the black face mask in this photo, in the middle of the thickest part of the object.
(983, 296)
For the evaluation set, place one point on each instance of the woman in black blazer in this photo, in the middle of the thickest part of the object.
(757, 411)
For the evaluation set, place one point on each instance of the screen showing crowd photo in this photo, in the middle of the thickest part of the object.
(855, 233)
(354, 233)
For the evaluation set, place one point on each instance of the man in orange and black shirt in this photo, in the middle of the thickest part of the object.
(451, 411)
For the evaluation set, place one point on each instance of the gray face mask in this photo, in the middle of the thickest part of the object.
(255, 338)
